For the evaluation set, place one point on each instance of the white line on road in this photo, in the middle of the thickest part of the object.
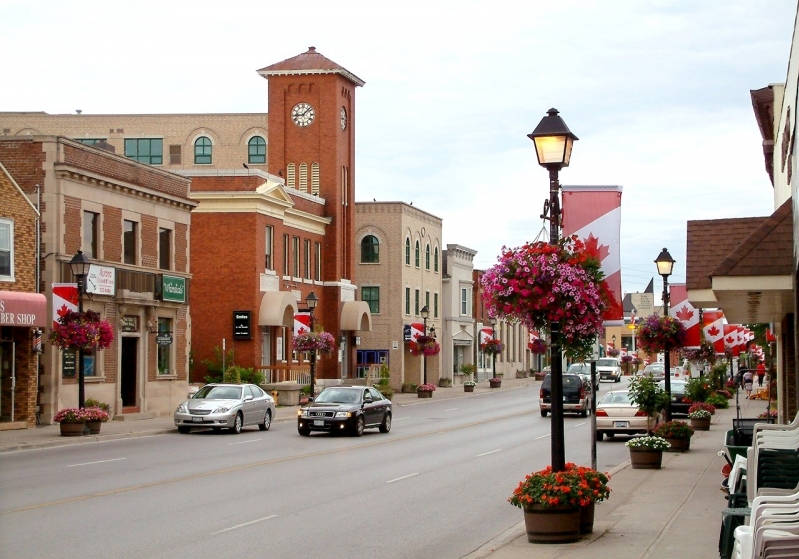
(544, 436)
(245, 524)
(580, 424)
(490, 452)
(98, 462)
(451, 409)
(399, 419)
(403, 477)
(245, 442)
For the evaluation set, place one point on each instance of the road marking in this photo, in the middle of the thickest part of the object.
(98, 462)
(403, 477)
(243, 525)
(544, 436)
(580, 424)
(451, 409)
(395, 419)
(490, 452)
(245, 442)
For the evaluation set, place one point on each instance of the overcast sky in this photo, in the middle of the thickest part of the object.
(657, 92)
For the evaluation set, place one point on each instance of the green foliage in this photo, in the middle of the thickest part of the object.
(92, 403)
(644, 392)
(698, 389)
(468, 368)
(306, 390)
(214, 365)
(718, 401)
(718, 374)
(674, 430)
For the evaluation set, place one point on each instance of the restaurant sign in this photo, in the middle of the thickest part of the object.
(173, 289)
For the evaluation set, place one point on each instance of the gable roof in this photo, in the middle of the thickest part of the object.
(309, 62)
(4, 171)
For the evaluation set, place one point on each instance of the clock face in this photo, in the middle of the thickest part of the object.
(302, 114)
(343, 118)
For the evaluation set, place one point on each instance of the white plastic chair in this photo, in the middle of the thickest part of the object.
(779, 513)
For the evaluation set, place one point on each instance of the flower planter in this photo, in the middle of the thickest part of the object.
(72, 428)
(494, 383)
(645, 458)
(678, 445)
(94, 427)
(540, 376)
(552, 525)
(425, 394)
(701, 424)
(468, 388)
(587, 518)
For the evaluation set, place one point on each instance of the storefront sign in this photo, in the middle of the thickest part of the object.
(101, 280)
(462, 342)
(22, 309)
(129, 323)
(241, 325)
(68, 363)
(163, 339)
(173, 289)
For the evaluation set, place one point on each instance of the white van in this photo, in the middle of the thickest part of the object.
(609, 368)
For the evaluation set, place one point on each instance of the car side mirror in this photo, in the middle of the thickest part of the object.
(248, 397)
(367, 400)
(310, 400)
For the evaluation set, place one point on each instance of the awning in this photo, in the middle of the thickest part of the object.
(355, 315)
(277, 309)
(22, 309)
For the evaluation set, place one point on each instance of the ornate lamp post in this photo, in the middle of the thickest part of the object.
(312, 301)
(553, 147)
(494, 337)
(80, 269)
(425, 314)
(665, 264)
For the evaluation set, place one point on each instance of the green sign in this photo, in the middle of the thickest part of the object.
(68, 363)
(173, 289)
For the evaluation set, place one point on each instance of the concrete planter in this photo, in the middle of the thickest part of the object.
(425, 394)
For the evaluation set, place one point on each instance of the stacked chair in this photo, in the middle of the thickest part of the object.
(770, 482)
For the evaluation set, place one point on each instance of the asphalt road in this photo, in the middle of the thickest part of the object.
(436, 486)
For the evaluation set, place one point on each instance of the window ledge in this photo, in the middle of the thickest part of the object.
(92, 379)
(171, 376)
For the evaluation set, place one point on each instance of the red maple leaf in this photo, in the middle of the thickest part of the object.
(713, 331)
(729, 339)
(62, 311)
(684, 314)
(596, 250)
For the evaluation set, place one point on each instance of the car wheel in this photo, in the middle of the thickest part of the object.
(385, 427)
(610, 435)
(237, 424)
(618, 378)
(184, 430)
(544, 413)
(358, 429)
(267, 421)
(584, 412)
(303, 431)
(599, 435)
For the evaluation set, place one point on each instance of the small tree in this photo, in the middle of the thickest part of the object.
(648, 397)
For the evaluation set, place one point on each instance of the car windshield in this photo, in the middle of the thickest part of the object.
(579, 368)
(606, 363)
(674, 386)
(616, 398)
(338, 396)
(218, 393)
(653, 369)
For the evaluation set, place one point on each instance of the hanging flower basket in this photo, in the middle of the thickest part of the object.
(425, 345)
(538, 347)
(307, 341)
(538, 284)
(660, 333)
(613, 352)
(706, 352)
(492, 347)
(85, 330)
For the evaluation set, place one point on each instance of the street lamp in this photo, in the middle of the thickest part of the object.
(553, 147)
(425, 313)
(613, 340)
(494, 337)
(665, 264)
(312, 301)
(80, 265)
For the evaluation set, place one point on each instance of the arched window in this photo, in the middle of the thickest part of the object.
(370, 250)
(407, 251)
(290, 174)
(303, 177)
(427, 257)
(315, 179)
(202, 151)
(256, 150)
(417, 254)
(435, 259)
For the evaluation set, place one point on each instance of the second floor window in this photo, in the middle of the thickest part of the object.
(130, 241)
(464, 301)
(6, 249)
(407, 300)
(285, 255)
(202, 151)
(295, 256)
(416, 302)
(256, 150)
(372, 296)
(164, 248)
(435, 305)
(306, 259)
(269, 247)
(418, 255)
(427, 257)
(90, 224)
(145, 150)
(370, 250)
(318, 262)
(407, 252)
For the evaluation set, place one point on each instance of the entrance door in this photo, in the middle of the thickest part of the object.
(7, 380)
(128, 371)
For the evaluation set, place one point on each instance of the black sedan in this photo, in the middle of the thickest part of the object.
(679, 403)
(345, 409)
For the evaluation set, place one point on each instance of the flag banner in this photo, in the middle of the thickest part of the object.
(731, 338)
(65, 298)
(302, 322)
(593, 213)
(713, 327)
(769, 336)
(741, 342)
(485, 335)
(533, 337)
(686, 313)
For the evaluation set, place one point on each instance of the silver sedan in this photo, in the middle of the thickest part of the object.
(617, 415)
(230, 406)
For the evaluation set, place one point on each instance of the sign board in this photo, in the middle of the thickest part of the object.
(241, 325)
(173, 289)
(644, 304)
(129, 323)
(163, 339)
(101, 280)
(279, 348)
(394, 345)
(68, 363)
(462, 342)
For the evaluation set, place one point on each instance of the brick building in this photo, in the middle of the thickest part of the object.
(23, 311)
(132, 221)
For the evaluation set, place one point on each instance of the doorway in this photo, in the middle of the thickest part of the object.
(7, 380)
(128, 371)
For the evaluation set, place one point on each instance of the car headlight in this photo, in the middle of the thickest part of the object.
(302, 412)
(183, 408)
(222, 409)
(343, 414)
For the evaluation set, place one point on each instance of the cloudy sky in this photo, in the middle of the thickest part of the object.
(657, 91)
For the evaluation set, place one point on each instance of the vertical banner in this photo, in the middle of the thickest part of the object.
(65, 298)
(533, 337)
(302, 322)
(593, 213)
(713, 326)
(485, 335)
(731, 338)
(686, 313)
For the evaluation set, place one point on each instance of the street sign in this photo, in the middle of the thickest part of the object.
(163, 339)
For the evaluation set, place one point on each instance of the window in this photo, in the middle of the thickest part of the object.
(164, 248)
(90, 222)
(303, 177)
(464, 302)
(285, 255)
(89, 369)
(427, 300)
(407, 300)
(145, 150)
(202, 151)
(130, 240)
(435, 305)
(269, 240)
(164, 353)
(407, 251)
(6, 249)
(370, 250)
(416, 302)
(417, 255)
(435, 260)
(295, 256)
(372, 296)
(290, 170)
(256, 150)
(318, 262)
(427, 257)
(175, 154)
(315, 179)
(306, 259)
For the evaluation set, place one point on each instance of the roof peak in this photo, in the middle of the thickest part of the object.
(309, 62)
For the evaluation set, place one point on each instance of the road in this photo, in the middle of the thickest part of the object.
(436, 486)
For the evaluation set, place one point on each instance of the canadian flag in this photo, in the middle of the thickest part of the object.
(533, 337)
(686, 313)
(731, 338)
(713, 327)
(302, 322)
(593, 213)
(417, 329)
(65, 298)
(769, 336)
(485, 335)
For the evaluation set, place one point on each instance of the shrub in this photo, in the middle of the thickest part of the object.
(698, 389)
(674, 430)
(468, 368)
(647, 396)
(726, 393)
(92, 403)
(718, 400)
(445, 382)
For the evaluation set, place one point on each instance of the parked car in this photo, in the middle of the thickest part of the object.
(576, 393)
(345, 409)
(679, 404)
(230, 406)
(582, 369)
(617, 415)
(609, 368)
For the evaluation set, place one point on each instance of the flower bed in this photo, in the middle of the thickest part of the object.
(95, 414)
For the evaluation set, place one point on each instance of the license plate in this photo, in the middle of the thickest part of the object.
(621, 423)
(197, 419)
(318, 423)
